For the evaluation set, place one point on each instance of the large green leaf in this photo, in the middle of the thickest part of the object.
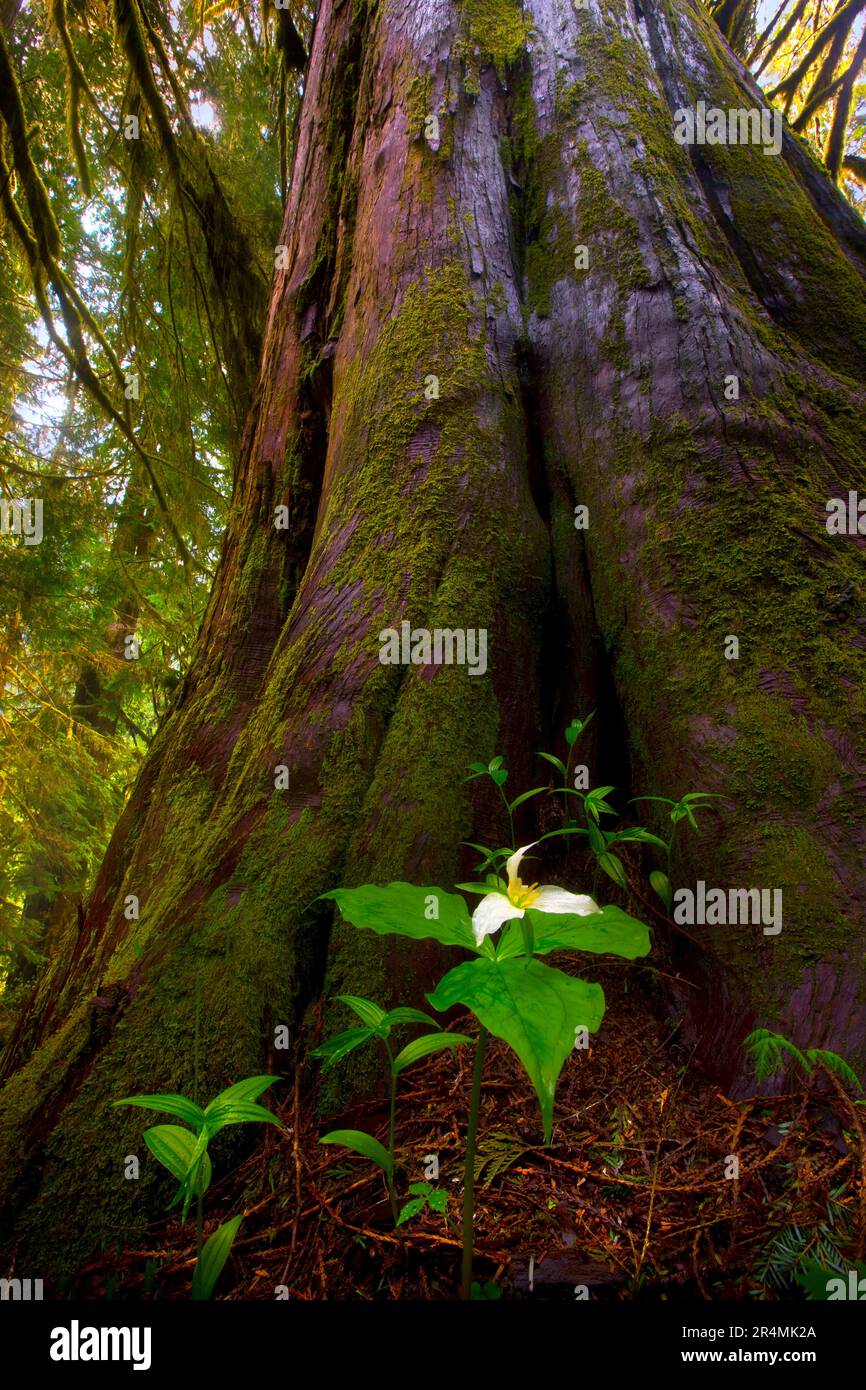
(400, 909)
(536, 1009)
(168, 1104)
(422, 1047)
(209, 1265)
(360, 1143)
(608, 932)
(249, 1089)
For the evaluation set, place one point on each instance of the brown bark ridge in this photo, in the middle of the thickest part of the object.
(427, 254)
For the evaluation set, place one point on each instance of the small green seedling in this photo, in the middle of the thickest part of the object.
(682, 810)
(184, 1152)
(379, 1024)
(424, 1195)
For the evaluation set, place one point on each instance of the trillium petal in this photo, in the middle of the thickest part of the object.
(490, 913)
(551, 899)
(512, 867)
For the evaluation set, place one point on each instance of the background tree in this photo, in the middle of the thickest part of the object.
(810, 55)
(132, 340)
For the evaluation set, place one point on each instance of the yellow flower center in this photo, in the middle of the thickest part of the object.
(521, 895)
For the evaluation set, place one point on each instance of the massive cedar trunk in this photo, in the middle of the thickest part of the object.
(410, 257)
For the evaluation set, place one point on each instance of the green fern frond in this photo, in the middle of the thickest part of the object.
(767, 1050)
(836, 1064)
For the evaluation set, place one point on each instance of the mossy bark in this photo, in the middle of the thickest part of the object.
(414, 255)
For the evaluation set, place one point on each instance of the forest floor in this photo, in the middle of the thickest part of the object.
(631, 1199)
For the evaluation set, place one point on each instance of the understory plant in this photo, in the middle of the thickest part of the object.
(540, 1011)
(184, 1152)
(602, 841)
(808, 1255)
(379, 1025)
(768, 1052)
(423, 1194)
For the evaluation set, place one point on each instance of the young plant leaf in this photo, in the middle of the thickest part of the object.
(211, 1261)
(422, 1047)
(490, 855)
(636, 834)
(248, 1089)
(366, 1010)
(191, 1184)
(661, 884)
(411, 1209)
(241, 1113)
(168, 1104)
(334, 1049)
(525, 796)
(557, 762)
(534, 1008)
(612, 867)
(173, 1147)
(397, 1016)
(360, 1143)
(576, 728)
(597, 842)
(488, 1292)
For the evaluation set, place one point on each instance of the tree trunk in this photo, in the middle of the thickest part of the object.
(411, 257)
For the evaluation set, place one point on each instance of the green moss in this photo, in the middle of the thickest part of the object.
(601, 219)
(419, 99)
(733, 557)
(776, 760)
(544, 232)
(813, 926)
(492, 32)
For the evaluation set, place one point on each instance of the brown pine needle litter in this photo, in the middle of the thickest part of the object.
(630, 1200)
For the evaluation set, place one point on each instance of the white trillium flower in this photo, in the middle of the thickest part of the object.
(498, 907)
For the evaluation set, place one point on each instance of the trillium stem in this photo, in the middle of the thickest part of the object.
(469, 1165)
